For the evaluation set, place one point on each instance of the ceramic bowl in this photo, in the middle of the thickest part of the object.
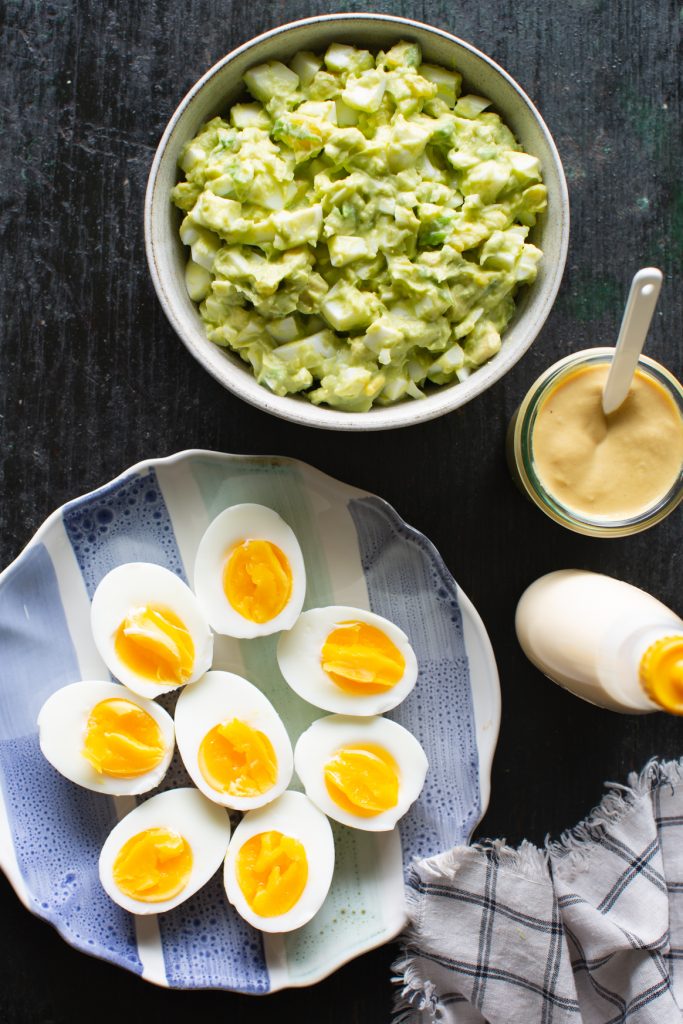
(222, 86)
(357, 551)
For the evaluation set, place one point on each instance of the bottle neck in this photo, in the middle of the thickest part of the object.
(660, 672)
(619, 661)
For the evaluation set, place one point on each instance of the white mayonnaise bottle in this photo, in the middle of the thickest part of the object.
(604, 640)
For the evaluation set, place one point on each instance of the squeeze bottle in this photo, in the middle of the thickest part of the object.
(608, 642)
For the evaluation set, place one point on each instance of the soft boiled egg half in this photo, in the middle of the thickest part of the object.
(164, 851)
(103, 737)
(363, 772)
(249, 572)
(348, 660)
(279, 864)
(149, 629)
(233, 742)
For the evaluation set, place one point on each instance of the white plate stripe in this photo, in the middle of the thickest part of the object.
(180, 491)
(276, 961)
(339, 540)
(146, 926)
(150, 949)
(75, 602)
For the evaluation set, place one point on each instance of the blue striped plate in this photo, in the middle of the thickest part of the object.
(358, 552)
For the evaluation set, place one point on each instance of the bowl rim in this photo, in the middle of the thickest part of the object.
(292, 407)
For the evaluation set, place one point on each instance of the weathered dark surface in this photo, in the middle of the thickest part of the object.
(93, 378)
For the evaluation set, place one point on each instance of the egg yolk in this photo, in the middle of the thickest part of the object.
(360, 658)
(362, 780)
(153, 866)
(257, 580)
(234, 758)
(122, 740)
(156, 644)
(272, 870)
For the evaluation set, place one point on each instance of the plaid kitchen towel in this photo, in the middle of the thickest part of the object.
(589, 929)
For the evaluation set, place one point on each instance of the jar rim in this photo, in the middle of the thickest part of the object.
(601, 526)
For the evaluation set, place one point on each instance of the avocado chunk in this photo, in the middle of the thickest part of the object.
(359, 226)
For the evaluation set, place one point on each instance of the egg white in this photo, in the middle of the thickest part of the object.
(138, 584)
(62, 723)
(222, 697)
(204, 825)
(294, 815)
(234, 525)
(299, 657)
(327, 735)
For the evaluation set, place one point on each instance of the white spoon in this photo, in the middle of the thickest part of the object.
(639, 310)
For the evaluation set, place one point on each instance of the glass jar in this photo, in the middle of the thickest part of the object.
(520, 450)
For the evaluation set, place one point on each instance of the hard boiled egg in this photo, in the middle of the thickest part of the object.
(363, 772)
(249, 572)
(348, 660)
(279, 864)
(164, 851)
(233, 742)
(102, 736)
(149, 629)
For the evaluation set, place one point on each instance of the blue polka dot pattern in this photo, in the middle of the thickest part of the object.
(208, 945)
(57, 828)
(126, 521)
(205, 943)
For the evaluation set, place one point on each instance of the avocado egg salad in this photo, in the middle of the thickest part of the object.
(358, 232)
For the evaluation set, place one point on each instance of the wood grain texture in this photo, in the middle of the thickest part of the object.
(93, 379)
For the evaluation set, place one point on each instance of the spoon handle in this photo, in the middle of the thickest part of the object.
(640, 308)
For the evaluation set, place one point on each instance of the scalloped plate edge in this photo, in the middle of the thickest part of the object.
(486, 700)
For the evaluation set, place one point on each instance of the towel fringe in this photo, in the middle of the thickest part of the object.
(570, 853)
(527, 860)
(416, 993)
(655, 774)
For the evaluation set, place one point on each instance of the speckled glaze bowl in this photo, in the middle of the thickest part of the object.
(222, 86)
(358, 551)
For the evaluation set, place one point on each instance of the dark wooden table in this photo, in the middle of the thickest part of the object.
(93, 379)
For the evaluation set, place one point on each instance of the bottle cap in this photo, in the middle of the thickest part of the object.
(661, 673)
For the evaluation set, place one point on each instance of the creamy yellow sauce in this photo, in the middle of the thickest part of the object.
(611, 467)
